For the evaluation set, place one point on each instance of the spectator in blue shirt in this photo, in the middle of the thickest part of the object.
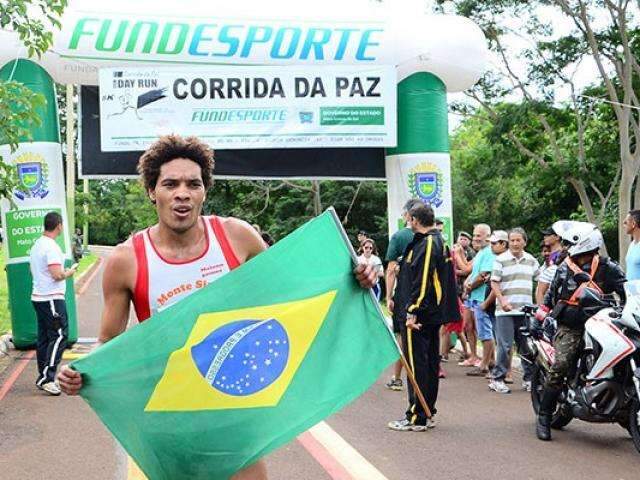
(632, 227)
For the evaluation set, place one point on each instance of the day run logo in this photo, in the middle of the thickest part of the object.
(126, 98)
(33, 176)
(425, 182)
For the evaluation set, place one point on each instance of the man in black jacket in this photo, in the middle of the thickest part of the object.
(583, 268)
(427, 290)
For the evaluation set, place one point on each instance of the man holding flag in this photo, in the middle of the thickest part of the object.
(427, 292)
(168, 262)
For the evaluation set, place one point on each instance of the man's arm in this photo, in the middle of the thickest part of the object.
(118, 281)
(496, 278)
(617, 278)
(58, 273)
(391, 282)
(541, 290)
(490, 300)
(478, 280)
(463, 267)
(245, 241)
(420, 266)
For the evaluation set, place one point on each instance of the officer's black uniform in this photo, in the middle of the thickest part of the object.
(571, 320)
(426, 288)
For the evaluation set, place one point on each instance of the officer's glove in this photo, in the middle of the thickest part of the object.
(535, 328)
(550, 326)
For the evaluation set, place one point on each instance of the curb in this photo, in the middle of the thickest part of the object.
(81, 280)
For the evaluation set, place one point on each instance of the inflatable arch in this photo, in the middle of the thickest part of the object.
(433, 54)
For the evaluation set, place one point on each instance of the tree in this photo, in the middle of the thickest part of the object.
(600, 33)
(33, 21)
(495, 183)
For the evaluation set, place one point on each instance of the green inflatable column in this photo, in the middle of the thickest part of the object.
(38, 165)
(420, 167)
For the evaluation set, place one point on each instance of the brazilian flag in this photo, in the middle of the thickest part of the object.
(244, 365)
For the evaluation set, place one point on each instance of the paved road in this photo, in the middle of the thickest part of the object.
(480, 435)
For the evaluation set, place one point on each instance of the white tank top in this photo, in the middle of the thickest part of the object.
(161, 282)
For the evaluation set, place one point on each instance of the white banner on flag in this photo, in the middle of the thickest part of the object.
(249, 107)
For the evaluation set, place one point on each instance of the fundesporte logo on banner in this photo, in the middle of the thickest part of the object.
(257, 107)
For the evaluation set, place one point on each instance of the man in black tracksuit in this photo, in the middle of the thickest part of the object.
(427, 290)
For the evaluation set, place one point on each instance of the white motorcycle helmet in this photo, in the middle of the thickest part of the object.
(581, 237)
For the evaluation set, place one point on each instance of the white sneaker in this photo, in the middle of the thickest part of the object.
(499, 386)
(526, 385)
(51, 388)
(431, 422)
(405, 425)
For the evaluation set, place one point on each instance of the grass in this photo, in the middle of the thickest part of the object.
(5, 317)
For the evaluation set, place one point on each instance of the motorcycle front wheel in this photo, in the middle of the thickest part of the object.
(634, 423)
(561, 417)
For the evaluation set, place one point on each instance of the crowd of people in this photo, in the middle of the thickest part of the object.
(495, 276)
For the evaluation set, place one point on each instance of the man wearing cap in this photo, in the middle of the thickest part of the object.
(551, 240)
(512, 282)
(397, 245)
(484, 319)
(476, 287)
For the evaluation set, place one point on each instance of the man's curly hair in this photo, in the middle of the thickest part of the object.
(171, 147)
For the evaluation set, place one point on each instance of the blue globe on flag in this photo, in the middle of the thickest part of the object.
(243, 357)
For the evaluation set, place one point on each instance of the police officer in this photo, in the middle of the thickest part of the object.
(582, 268)
(427, 292)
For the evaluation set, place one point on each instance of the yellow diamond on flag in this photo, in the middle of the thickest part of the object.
(242, 358)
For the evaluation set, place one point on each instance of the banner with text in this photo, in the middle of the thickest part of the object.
(249, 107)
(38, 166)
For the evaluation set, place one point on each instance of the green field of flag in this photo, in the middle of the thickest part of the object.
(244, 365)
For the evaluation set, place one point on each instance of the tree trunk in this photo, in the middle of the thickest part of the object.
(317, 202)
(636, 199)
(581, 190)
(624, 205)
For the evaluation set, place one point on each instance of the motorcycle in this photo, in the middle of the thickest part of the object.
(604, 386)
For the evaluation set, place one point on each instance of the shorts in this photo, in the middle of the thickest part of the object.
(399, 323)
(484, 322)
(468, 304)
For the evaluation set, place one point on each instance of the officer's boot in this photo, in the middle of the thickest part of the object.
(547, 407)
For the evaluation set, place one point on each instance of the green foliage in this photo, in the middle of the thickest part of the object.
(33, 31)
(494, 183)
(118, 208)
(18, 104)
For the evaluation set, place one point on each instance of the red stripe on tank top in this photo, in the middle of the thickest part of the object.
(141, 290)
(227, 251)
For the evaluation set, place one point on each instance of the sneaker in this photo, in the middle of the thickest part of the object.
(51, 388)
(477, 372)
(441, 373)
(498, 386)
(431, 422)
(405, 425)
(394, 384)
(526, 385)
